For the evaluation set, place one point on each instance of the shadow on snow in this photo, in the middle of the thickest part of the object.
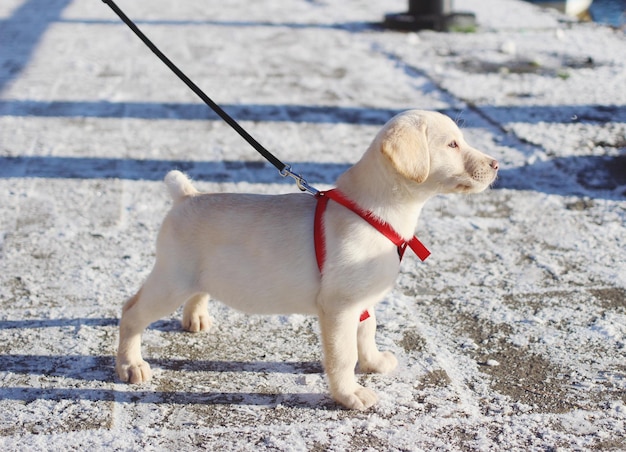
(101, 369)
(289, 400)
(591, 176)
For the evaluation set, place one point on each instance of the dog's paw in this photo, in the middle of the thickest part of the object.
(134, 373)
(195, 322)
(361, 399)
(383, 363)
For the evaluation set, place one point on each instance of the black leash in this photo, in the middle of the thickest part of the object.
(284, 170)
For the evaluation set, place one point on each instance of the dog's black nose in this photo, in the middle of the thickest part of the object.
(494, 164)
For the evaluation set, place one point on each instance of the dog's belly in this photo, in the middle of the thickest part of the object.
(259, 286)
(268, 302)
(261, 281)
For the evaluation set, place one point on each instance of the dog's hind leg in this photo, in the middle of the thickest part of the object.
(370, 359)
(195, 314)
(155, 300)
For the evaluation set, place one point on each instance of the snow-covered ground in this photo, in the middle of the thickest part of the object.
(511, 336)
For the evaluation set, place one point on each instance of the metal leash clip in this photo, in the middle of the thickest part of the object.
(300, 181)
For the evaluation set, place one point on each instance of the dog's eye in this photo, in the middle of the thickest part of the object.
(453, 144)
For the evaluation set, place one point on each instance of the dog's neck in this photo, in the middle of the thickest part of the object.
(374, 187)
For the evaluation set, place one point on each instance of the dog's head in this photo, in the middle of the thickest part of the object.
(428, 148)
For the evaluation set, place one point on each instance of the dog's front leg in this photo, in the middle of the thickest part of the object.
(339, 339)
(370, 359)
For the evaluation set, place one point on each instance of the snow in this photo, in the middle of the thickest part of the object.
(511, 336)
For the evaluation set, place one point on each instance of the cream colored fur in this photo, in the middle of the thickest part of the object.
(256, 254)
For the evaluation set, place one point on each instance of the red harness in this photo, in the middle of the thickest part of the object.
(384, 228)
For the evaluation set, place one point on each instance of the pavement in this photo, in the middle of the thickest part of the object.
(512, 336)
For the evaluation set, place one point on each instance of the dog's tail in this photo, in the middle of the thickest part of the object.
(179, 186)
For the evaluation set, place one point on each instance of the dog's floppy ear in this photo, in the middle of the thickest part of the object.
(405, 144)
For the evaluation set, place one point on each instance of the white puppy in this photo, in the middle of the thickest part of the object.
(256, 253)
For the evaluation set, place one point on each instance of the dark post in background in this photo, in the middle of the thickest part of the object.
(432, 15)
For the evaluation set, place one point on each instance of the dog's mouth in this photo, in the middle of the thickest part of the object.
(473, 186)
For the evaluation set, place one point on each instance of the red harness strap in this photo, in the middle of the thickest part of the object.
(384, 228)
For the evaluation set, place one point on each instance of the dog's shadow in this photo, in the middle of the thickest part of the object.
(92, 378)
(61, 372)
